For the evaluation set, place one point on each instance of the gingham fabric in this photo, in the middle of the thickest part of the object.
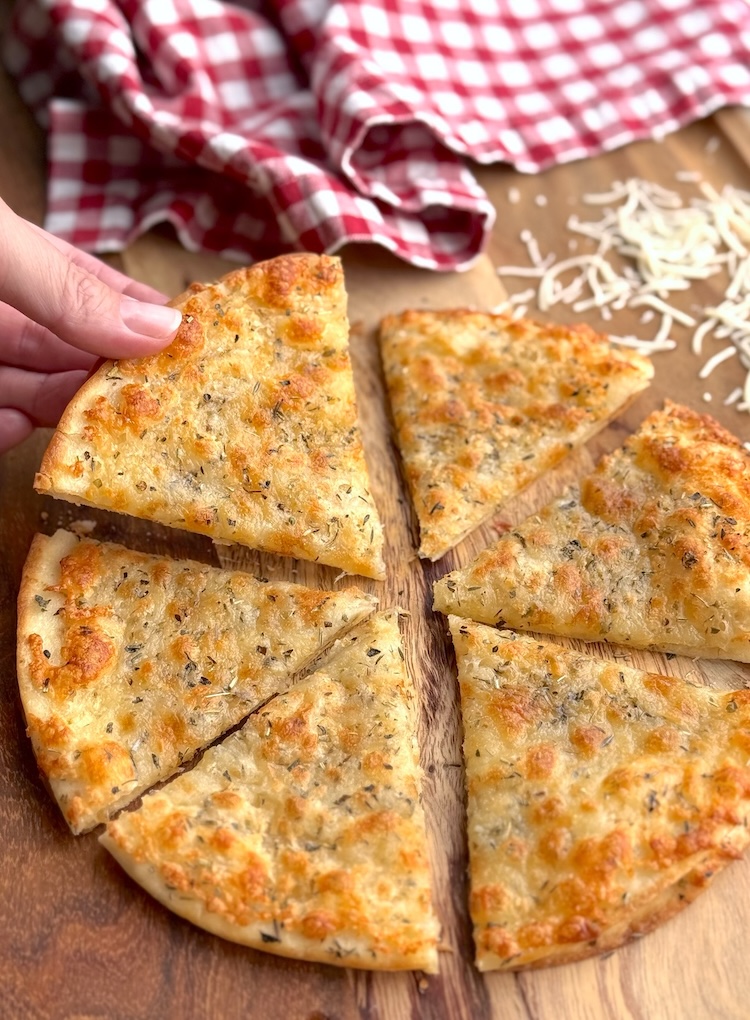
(261, 126)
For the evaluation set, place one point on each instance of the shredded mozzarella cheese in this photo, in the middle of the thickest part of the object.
(648, 245)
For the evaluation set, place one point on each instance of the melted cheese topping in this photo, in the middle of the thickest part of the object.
(601, 799)
(484, 404)
(244, 428)
(302, 833)
(651, 550)
(128, 663)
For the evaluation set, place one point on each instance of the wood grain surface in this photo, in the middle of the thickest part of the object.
(79, 941)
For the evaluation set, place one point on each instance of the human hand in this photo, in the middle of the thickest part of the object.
(61, 310)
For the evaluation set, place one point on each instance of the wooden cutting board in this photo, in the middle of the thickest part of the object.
(79, 940)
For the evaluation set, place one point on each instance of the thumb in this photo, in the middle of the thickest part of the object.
(48, 286)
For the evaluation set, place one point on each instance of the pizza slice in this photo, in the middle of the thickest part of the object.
(601, 799)
(303, 833)
(484, 404)
(652, 549)
(244, 428)
(129, 663)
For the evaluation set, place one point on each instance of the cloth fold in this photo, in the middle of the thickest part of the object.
(263, 126)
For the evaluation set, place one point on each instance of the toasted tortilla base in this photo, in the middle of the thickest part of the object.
(601, 799)
(244, 429)
(302, 833)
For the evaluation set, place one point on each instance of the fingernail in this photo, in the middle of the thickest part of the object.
(156, 321)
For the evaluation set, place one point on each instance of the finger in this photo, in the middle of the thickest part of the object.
(15, 426)
(41, 396)
(26, 344)
(107, 274)
(49, 287)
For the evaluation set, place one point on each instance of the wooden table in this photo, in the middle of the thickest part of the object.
(79, 940)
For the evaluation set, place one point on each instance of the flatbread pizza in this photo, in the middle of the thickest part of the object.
(601, 799)
(651, 550)
(244, 428)
(302, 833)
(129, 663)
(484, 404)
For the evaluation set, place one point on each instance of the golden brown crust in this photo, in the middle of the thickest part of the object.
(244, 428)
(651, 550)
(601, 799)
(483, 405)
(302, 834)
(128, 663)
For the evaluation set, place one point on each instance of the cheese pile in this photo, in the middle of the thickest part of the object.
(648, 246)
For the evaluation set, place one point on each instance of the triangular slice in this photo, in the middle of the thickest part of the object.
(303, 833)
(484, 404)
(601, 799)
(244, 428)
(651, 550)
(128, 663)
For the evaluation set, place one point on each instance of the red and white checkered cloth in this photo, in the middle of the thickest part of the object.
(268, 125)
